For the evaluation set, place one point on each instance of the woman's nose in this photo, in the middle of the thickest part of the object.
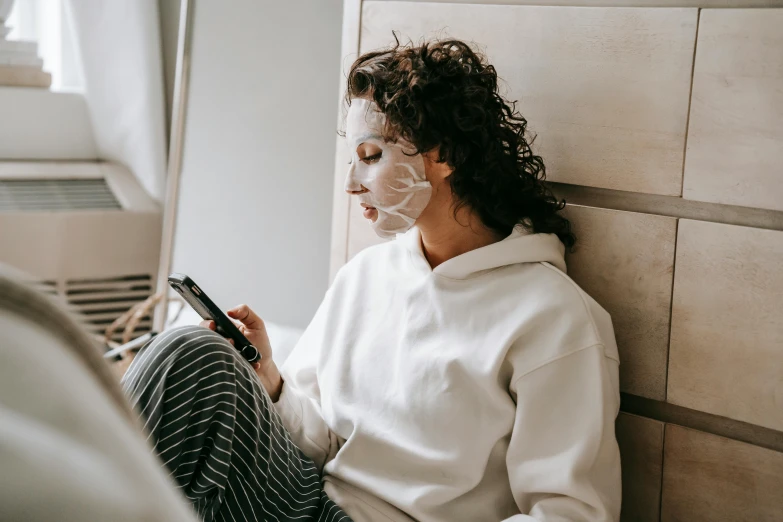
(352, 185)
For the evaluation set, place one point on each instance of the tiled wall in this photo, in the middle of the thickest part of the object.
(663, 128)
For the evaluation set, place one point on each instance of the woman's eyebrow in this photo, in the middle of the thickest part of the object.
(369, 136)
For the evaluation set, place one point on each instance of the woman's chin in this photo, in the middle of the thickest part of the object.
(386, 226)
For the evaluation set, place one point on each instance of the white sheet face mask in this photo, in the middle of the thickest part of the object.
(396, 186)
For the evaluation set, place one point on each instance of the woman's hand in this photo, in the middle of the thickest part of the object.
(252, 327)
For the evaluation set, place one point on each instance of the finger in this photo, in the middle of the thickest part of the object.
(207, 324)
(247, 316)
(237, 324)
(231, 341)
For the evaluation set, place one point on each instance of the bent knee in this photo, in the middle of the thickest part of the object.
(189, 338)
(184, 343)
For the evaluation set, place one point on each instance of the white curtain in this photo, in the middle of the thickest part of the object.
(119, 49)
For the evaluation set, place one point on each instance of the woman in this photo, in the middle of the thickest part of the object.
(455, 373)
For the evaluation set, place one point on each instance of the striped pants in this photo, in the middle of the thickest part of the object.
(215, 429)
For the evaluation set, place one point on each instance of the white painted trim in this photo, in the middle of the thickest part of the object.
(180, 109)
(352, 14)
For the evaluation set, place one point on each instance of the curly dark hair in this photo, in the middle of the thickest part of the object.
(443, 94)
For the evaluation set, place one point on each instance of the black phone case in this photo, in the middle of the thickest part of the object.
(204, 306)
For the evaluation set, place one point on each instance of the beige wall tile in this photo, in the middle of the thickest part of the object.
(641, 451)
(605, 89)
(710, 478)
(726, 352)
(735, 136)
(624, 261)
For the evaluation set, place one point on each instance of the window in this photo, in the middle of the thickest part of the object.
(47, 22)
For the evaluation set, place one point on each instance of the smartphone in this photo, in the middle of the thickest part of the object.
(204, 306)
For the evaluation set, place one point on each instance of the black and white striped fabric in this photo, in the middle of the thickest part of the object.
(214, 427)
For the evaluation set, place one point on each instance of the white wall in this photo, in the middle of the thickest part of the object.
(254, 210)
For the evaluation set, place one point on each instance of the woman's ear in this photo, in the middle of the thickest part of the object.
(436, 171)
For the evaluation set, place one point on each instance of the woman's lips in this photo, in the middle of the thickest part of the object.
(370, 213)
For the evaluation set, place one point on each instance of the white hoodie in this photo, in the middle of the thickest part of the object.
(483, 390)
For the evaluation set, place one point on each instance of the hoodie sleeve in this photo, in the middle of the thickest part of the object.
(301, 415)
(299, 404)
(563, 460)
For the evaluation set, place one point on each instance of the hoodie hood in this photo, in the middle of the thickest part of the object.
(521, 246)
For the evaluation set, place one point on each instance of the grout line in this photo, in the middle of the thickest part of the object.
(669, 206)
(741, 431)
(671, 311)
(663, 464)
(690, 102)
